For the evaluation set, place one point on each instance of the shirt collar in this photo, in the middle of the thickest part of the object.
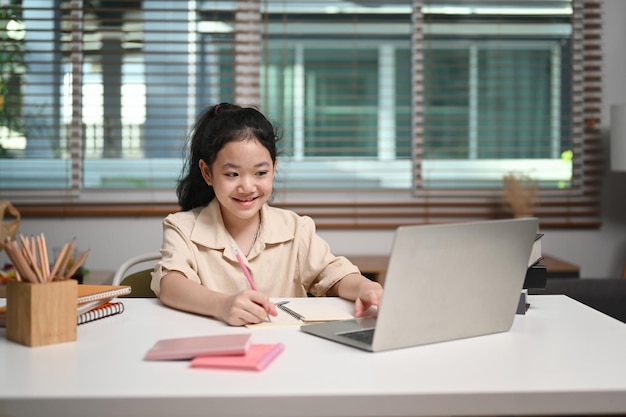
(209, 230)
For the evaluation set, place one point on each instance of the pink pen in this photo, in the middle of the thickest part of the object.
(245, 271)
(243, 267)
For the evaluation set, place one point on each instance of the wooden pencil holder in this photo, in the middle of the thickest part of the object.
(41, 314)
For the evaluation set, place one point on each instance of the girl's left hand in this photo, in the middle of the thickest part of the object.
(370, 295)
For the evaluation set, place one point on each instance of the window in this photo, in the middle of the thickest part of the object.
(391, 112)
(527, 91)
(496, 96)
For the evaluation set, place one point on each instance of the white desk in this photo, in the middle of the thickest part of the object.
(561, 358)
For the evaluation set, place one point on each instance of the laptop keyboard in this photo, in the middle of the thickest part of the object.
(365, 336)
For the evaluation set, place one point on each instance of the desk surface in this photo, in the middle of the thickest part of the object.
(560, 358)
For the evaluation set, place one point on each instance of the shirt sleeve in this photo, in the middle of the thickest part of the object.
(178, 253)
(319, 268)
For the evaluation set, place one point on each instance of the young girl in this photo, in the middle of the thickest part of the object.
(223, 194)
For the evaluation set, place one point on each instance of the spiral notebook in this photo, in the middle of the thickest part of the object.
(106, 309)
(295, 312)
(94, 292)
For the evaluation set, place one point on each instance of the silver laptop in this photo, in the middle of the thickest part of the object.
(444, 282)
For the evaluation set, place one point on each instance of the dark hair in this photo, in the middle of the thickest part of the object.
(214, 128)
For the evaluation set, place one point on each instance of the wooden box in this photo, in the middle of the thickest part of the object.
(41, 314)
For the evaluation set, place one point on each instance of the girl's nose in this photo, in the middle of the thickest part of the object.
(246, 183)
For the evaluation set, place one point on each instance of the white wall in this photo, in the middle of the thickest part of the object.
(600, 253)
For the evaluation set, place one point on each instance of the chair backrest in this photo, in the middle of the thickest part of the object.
(139, 281)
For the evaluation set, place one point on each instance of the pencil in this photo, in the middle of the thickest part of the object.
(66, 259)
(59, 260)
(77, 265)
(31, 258)
(19, 262)
(44, 254)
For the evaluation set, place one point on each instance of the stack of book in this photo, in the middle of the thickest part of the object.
(217, 351)
(96, 302)
(536, 275)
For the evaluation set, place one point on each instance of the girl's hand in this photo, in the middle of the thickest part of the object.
(369, 295)
(364, 292)
(247, 307)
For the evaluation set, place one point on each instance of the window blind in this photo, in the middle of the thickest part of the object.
(511, 114)
(397, 113)
(111, 89)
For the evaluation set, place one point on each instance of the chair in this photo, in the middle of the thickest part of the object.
(139, 281)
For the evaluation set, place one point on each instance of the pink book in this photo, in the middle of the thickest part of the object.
(258, 357)
(190, 347)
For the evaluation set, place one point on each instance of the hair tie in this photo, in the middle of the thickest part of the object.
(216, 108)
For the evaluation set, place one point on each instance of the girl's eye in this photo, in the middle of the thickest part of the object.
(261, 173)
(231, 174)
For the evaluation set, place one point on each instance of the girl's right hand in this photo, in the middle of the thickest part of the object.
(247, 307)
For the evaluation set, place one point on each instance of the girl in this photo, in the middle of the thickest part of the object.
(223, 194)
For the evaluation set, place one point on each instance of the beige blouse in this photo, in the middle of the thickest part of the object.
(288, 258)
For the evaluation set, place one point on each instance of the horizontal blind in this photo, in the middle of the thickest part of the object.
(35, 146)
(248, 53)
(336, 80)
(110, 89)
(575, 204)
(76, 136)
(107, 91)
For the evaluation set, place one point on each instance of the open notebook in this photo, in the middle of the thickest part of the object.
(299, 311)
(444, 282)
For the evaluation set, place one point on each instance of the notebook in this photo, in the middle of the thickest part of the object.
(302, 310)
(444, 282)
(258, 357)
(94, 292)
(106, 309)
(189, 347)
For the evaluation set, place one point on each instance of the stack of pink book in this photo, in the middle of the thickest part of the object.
(223, 351)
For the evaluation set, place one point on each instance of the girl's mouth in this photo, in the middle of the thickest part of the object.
(246, 201)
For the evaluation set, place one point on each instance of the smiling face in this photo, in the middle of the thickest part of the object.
(242, 177)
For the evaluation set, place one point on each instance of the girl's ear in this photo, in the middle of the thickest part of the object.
(206, 172)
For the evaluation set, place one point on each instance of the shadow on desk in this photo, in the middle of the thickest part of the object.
(607, 295)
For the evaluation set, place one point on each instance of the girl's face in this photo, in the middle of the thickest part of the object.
(242, 178)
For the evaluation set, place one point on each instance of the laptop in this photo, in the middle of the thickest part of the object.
(444, 282)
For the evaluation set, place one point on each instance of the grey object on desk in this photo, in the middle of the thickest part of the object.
(139, 280)
(438, 289)
(607, 295)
